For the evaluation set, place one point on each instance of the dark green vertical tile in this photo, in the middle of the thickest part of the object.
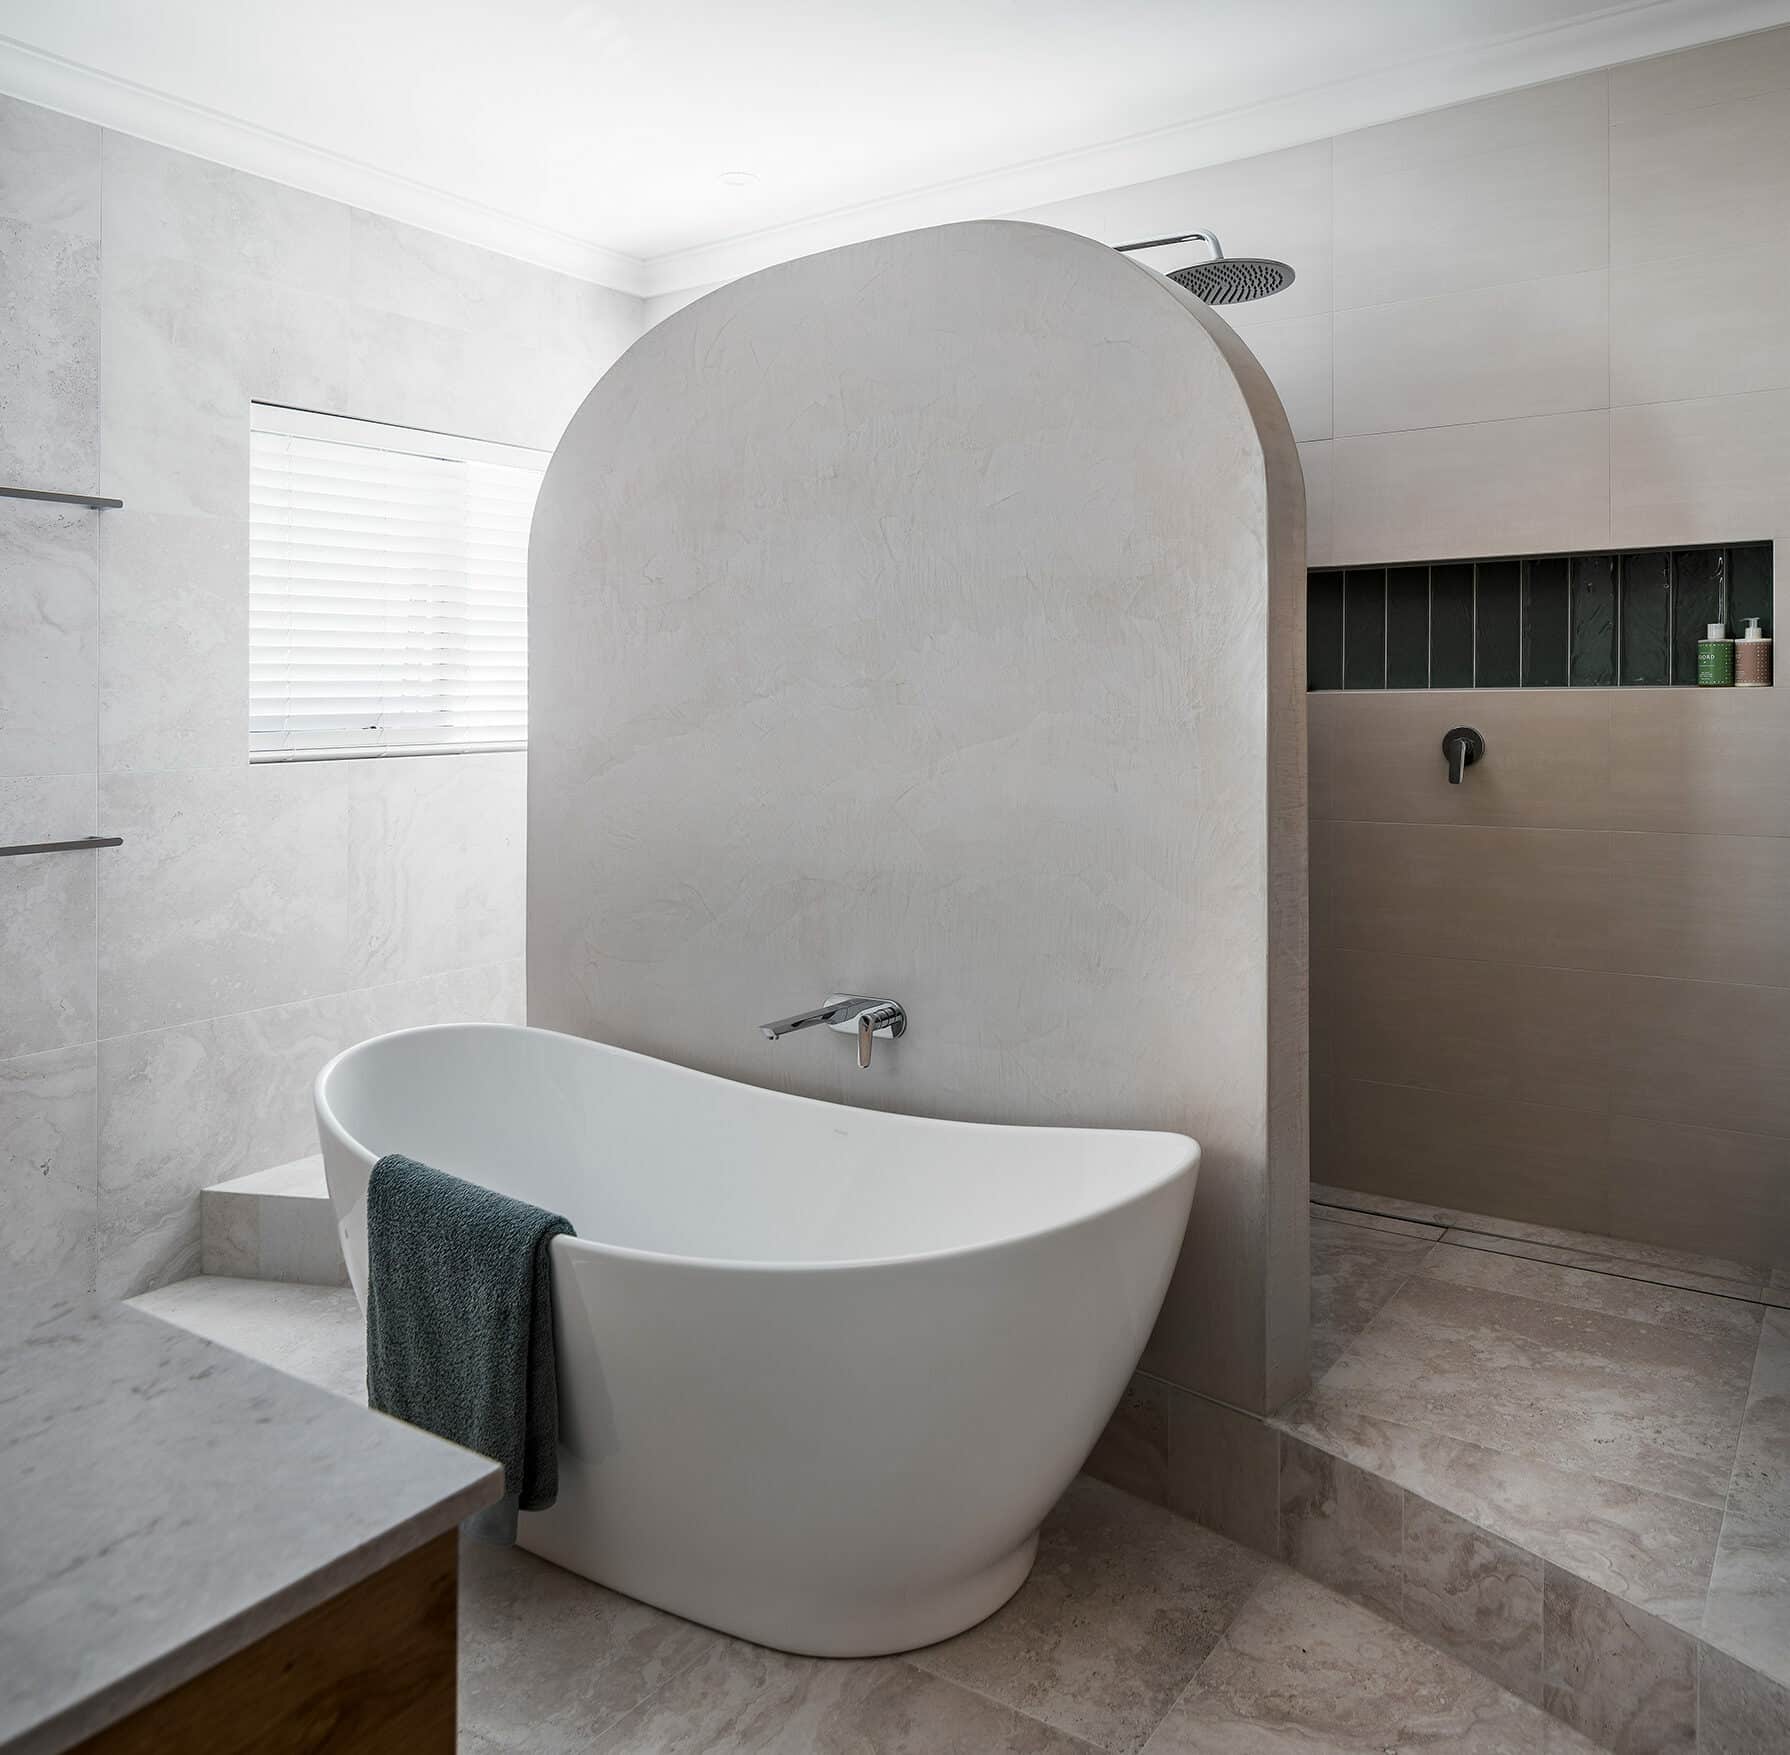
(1364, 628)
(1497, 624)
(1324, 631)
(1593, 612)
(1749, 586)
(1544, 623)
(1407, 627)
(1699, 591)
(1451, 626)
(1646, 617)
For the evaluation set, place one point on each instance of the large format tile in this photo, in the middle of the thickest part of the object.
(1647, 1547)
(1295, 353)
(1496, 487)
(229, 893)
(49, 358)
(49, 168)
(1710, 73)
(1302, 1671)
(1342, 1525)
(1123, 1604)
(548, 1660)
(174, 669)
(1739, 1711)
(1353, 1272)
(49, 1172)
(1706, 471)
(1485, 353)
(1319, 466)
(49, 637)
(47, 916)
(1613, 1672)
(1698, 761)
(1627, 1401)
(1749, 1594)
(744, 1697)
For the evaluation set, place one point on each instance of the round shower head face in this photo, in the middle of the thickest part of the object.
(1234, 280)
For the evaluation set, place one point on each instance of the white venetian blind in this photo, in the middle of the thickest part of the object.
(388, 589)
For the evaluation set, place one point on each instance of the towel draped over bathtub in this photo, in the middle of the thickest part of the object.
(460, 1325)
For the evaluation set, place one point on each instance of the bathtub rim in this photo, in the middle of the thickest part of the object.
(1186, 1169)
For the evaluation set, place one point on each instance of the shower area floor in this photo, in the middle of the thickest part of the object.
(1603, 1413)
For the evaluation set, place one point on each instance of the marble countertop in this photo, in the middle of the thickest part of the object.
(165, 1502)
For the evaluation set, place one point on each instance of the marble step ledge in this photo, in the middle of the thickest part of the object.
(274, 1224)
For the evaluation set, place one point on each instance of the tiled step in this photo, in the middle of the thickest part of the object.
(273, 1225)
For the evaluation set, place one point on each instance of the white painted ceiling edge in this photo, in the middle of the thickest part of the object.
(1558, 51)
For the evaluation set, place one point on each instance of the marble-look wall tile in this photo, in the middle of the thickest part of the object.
(1474, 1595)
(436, 846)
(174, 669)
(164, 203)
(1614, 1672)
(49, 1168)
(49, 358)
(47, 916)
(1342, 1526)
(229, 893)
(49, 637)
(49, 168)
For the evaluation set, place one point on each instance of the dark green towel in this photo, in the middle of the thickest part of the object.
(460, 1324)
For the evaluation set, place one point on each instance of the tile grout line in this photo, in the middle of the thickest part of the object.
(908, 1661)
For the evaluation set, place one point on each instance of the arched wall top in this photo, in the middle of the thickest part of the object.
(926, 617)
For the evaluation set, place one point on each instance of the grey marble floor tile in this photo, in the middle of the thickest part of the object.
(1342, 1525)
(1628, 1401)
(313, 1332)
(1353, 1273)
(1739, 1711)
(1613, 1672)
(1303, 1672)
(1375, 1222)
(1604, 1262)
(1474, 1595)
(1715, 1316)
(1749, 1594)
(742, 1697)
(549, 1661)
(1124, 1602)
(1649, 1548)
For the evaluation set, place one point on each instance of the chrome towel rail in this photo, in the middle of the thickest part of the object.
(80, 846)
(99, 502)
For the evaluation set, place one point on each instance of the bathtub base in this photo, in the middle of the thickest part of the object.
(862, 1625)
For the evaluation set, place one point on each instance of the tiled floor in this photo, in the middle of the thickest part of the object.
(1137, 1630)
(1622, 1412)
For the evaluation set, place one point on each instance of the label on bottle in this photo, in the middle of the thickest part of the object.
(1715, 664)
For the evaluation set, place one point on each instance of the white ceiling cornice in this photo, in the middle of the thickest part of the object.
(1623, 32)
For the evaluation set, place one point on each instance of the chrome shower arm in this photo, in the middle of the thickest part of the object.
(1185, 238)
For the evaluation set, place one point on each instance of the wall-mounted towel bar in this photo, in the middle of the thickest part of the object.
(80, 846)
(99, 502)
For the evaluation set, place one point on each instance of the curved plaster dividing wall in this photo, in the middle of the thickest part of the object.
(926, 618)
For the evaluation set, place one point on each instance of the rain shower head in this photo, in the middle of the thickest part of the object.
(1225, 280)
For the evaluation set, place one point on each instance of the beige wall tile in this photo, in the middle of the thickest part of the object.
(1483, 1154)
(1500, 1031)
(1716, 470)
(1709, 761)
(1475, 195)
(1703, 907)
(1295, 353)
(1712, 1052)
(1132, 1451)
(1711, 73)
(1224, 1470)
(1690, 327)
(1500, 895)
(1496, 487)
(1700, 182)
(1377, 756)
(1702, 1188)
(1481, 354)
(1316, 461)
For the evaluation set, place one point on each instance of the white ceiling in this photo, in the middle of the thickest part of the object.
(593, 135)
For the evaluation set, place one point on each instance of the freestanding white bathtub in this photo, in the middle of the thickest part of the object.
(823, 1370)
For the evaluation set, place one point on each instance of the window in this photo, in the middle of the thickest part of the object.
(388, 589)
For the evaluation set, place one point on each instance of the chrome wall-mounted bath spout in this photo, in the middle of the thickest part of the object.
(1225, 280)
(852, 1014)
